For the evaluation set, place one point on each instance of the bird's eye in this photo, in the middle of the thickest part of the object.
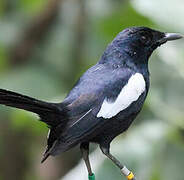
(145, 40)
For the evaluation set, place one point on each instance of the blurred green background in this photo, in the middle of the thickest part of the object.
(46, 45)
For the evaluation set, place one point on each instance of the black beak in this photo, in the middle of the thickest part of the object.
(170, 37)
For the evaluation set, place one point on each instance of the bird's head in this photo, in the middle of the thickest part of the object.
(140, 42)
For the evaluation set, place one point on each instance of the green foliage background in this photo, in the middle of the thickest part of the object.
(72, 40)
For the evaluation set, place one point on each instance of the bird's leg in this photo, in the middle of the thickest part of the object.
(129, 175)
(85, 155)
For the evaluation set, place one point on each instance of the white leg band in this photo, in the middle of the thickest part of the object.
(125, 171)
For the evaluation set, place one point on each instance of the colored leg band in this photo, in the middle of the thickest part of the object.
(130, 176)
(92, 177)
(125, 171)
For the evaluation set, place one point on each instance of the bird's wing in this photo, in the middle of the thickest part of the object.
(91, 101)
(81, 121)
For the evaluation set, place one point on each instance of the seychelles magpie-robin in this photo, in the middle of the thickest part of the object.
(104, 101)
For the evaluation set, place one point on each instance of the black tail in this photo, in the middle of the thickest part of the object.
(50, 113)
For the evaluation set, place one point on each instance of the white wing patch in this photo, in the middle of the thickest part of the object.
(48, 134)
(130, 92)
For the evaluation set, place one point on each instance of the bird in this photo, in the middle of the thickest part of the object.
(104, 101)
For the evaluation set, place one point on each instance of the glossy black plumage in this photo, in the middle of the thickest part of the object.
(105, 80)
(75, 120)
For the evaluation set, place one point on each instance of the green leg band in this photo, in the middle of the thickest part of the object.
(92, 177)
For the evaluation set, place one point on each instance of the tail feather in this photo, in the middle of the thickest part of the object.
(53, 114)
(48, 112)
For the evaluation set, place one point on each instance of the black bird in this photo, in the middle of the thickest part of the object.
(104, 101)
